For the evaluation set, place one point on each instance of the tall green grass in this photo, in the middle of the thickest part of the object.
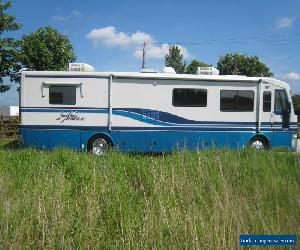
(65, 199)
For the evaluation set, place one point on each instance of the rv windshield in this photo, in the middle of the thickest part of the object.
(281, 101)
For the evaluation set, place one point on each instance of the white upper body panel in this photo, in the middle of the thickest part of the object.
(153, 76)
(139, 90)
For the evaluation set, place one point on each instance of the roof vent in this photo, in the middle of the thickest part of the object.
(149, 71)
(168, 70)
(207, 71)
(83, 67)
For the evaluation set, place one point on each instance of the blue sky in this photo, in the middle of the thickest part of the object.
(109, 34)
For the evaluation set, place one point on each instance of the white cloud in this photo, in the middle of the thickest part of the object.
(293, 76)
(62, 18)
(155, 52)
(59, 18)
(110, 37)
(152, 51)
(75, 13)
(285, 22)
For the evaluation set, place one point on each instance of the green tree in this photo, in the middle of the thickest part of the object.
(237, 64)
(7, 45)
(193, 66)
(45, 49)
(174, 59)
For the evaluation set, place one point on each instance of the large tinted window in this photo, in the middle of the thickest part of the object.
(189, 97)
(281, 101)
(236, 100)
(228, 100)
(65, 95)
(267, 97)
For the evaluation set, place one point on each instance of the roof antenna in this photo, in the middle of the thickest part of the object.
(144, 54)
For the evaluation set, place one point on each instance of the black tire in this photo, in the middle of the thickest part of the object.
(259, 143)
(99, 145)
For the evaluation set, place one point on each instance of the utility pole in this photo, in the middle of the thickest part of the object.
(144, 54)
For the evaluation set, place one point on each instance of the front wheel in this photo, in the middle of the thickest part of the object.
(99, 145)
(258, 143)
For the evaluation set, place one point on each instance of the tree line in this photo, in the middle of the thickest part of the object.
(44, 49)
(47, 49)
(229, 64)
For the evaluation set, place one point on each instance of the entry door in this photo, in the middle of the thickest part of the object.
(267, 107)
(282, 110)
(281, 119)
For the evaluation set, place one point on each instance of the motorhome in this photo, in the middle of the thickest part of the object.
(153, 111)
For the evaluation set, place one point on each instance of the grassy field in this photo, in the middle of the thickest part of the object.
(65, 199)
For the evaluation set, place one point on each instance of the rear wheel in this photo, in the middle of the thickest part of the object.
(259, 143)
(99, 145)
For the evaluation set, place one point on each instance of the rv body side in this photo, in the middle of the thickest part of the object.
(136, 112)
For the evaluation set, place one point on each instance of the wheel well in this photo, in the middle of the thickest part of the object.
(99, 135)
(262, 137)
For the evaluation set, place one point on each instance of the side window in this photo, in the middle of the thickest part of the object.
(267, 98)
(65, 95)
(189, 97)
(228, 100)
(245, 100)
(281, 101)
(236, 100)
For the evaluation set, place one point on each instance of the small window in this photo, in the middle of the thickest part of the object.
(189, 97)
(237, 100)
(267, 97)
(65, 95)
(281, 101)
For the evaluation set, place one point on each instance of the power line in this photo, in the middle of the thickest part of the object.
(275, 39)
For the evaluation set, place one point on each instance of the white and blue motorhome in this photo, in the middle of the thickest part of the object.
(154, 112)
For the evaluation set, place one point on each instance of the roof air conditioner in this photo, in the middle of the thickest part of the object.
(207, 71)
(83, 67)
(168, 70)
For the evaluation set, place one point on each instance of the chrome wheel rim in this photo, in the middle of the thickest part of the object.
(257, 145)
(100, 147)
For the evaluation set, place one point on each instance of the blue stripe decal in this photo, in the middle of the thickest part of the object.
(60, 110)
(158, 118)
(139, 117)
(134, 128)
(118, 128)
(177, 120)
